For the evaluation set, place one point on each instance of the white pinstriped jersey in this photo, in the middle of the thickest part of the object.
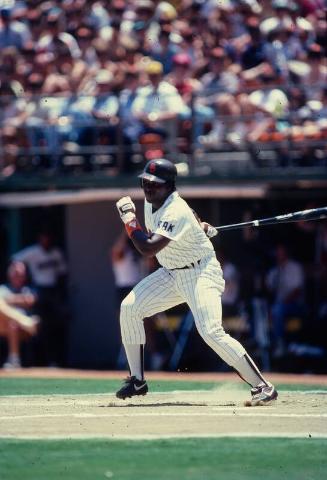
(176, 221)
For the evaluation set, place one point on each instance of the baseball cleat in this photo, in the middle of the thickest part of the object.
(132, 387)
(263, 394)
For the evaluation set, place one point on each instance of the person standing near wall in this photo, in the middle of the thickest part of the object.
(48, 270)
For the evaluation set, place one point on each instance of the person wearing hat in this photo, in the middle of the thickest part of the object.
(158, 105)
(181, 76)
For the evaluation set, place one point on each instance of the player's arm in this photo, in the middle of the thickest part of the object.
(147, 245)
(208, 229)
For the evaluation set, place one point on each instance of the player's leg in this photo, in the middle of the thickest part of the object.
(203, 295)
(154, 294)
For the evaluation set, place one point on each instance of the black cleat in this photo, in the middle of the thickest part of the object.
(263, 394)
(132, 387)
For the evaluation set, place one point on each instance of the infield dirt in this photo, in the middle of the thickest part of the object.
(218, 412)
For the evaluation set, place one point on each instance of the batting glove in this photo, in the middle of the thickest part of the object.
(126, 209)
(209, 230)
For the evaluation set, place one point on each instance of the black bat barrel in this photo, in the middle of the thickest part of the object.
(304, 215)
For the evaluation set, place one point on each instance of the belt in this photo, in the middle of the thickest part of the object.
(191, 265)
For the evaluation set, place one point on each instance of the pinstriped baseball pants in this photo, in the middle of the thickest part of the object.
(200, 287)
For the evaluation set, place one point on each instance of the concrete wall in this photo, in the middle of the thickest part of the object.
(91, 230)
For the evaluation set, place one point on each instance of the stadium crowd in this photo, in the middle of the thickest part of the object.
(187, 75)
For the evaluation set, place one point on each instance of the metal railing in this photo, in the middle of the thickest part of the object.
(67, 143)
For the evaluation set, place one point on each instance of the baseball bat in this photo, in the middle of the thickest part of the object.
(304, 215)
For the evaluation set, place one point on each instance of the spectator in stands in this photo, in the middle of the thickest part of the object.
(9, 58)
(283, 9)
(181, 77)
(254, 51)
(12, 116)
(101, 48)
(318, 22)
(85, 36)
(144, 12)
(80, 13)
(164, 49)
(285, 282)
(131, 127)
(222, 75)
(55, 33)
(316, 78)
(35, 21)
(232, 45)
(48, 270)
(188, 87)
(12, 107)
(9, 151)
(227, 126)
(71, 65)
(158, 105)
(105, 106)
(17, 294)
(112, 34)
(12, 33)
(268, 98)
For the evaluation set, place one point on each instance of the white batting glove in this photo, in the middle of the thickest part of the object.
(209, 230)
(126, 209)
(212, 231)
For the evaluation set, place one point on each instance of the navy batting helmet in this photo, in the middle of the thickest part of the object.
(159, 170)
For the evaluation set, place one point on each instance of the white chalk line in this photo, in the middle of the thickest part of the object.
(173, 392)
(138, 437)
(222, 413)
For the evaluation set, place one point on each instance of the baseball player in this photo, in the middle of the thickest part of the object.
(189, 273)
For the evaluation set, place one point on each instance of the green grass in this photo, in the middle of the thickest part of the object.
(49, 386)
(173, 459)
(184, 459)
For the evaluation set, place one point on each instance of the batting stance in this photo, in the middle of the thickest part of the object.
(189, 273)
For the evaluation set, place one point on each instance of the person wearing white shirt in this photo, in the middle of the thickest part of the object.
(48, 270)
(17, 300)
(158, 105)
